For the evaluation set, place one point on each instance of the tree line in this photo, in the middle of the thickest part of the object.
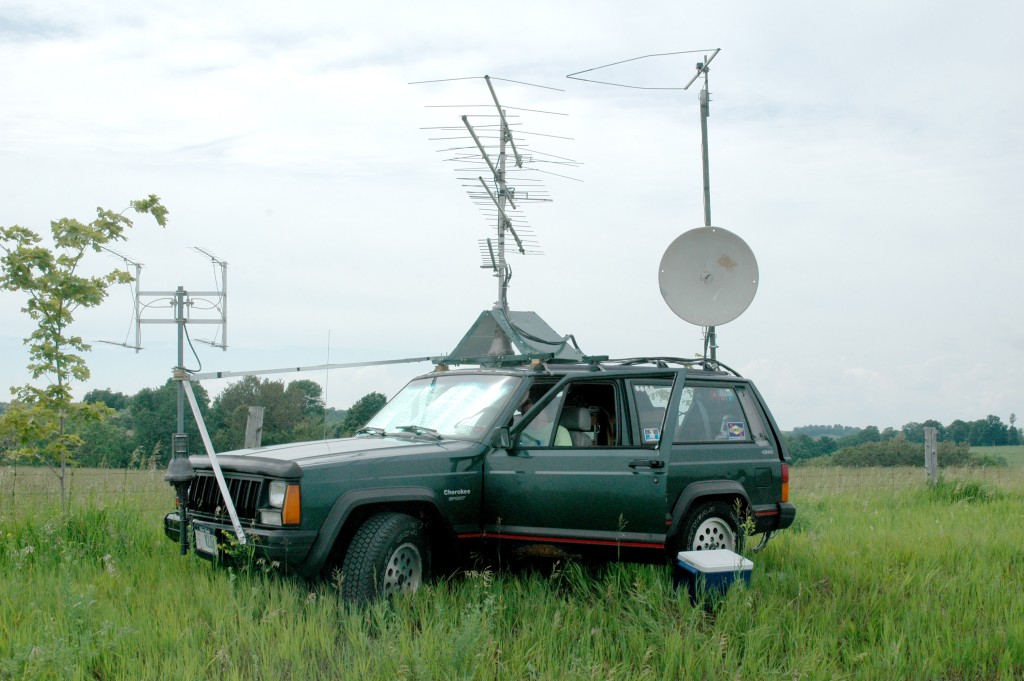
(137, 433)
(809, 442)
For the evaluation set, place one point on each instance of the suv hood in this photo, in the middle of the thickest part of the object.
(323, 452)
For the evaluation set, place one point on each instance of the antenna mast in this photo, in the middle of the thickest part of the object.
(503, 195)
(704, 97)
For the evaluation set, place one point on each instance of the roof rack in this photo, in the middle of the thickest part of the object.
(550, 363)
(702, 363)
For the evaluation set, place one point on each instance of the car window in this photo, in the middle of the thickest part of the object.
(590, 415)
(755, 425)
(540, 430)
(711, 414)
(650, 398)
(454, 405)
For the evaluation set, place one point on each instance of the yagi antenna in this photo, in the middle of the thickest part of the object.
(700, 240)
(497, 169)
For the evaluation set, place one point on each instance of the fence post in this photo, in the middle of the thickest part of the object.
(931, 454)
(254, 428)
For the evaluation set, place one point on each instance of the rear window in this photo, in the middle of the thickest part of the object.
(711, 414)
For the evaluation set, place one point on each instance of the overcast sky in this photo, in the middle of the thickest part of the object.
(870, 153)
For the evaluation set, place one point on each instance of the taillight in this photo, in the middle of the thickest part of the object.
(785, 482)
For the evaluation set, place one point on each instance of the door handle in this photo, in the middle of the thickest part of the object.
(646, 463)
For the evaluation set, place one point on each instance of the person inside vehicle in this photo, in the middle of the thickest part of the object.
(538, 432)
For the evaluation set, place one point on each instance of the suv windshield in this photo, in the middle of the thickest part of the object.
(462, 406)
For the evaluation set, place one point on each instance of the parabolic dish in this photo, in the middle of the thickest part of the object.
(708, 276)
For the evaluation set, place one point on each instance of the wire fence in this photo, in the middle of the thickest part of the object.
(822, 481)
(28, 489)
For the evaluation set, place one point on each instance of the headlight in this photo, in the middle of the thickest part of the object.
(268, 517)
(285, 504)
(276, 493)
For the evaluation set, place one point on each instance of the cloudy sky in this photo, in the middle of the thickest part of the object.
(871, 154)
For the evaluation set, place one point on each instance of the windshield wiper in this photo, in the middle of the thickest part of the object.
(420, 430)
(371, 430)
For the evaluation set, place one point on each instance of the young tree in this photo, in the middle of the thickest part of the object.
(37, 419)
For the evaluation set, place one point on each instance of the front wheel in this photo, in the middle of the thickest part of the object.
(712, 525)
(389, 554)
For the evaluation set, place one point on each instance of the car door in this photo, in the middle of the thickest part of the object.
(579, 470)
(719, 435)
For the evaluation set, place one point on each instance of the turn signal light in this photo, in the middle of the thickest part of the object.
(785, 482)
(291, 513)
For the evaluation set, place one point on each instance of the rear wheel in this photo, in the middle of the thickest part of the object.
(389, 554)
(712, 525)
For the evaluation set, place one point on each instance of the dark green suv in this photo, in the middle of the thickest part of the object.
(625, 460)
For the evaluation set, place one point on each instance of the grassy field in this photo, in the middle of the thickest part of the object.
(878, 581)
(1014, 454)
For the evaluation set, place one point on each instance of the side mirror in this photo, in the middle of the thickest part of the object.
(501, 439)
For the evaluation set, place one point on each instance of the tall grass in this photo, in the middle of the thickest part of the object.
(917, 583)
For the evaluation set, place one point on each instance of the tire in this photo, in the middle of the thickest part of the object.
(711, 525)
(388, 555)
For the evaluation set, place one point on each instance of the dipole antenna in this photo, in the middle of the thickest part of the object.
(137, 266)
(219, 301)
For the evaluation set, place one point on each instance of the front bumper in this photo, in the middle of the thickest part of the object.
(287, 547)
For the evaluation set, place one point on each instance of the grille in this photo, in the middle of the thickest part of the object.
(204, 495)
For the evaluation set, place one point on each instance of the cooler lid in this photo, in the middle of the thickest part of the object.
(715, 560)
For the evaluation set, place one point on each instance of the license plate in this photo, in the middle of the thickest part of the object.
(206, 540)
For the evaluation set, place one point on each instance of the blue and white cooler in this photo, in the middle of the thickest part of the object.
(710, 573)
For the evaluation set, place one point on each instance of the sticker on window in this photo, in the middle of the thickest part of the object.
(737, 430)
(652, 434)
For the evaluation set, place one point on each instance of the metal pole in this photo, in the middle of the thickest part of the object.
(704, 155)
(499, 178)
(179, 318)
(703, 96)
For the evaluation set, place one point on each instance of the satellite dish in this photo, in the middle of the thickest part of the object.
(708, 276)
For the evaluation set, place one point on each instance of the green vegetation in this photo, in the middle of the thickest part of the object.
(868, 446)
(1013, 454)
(361, 412)
(870, 583)
(138, 427)
(901, 453)
(51, 279)
(295, 412)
